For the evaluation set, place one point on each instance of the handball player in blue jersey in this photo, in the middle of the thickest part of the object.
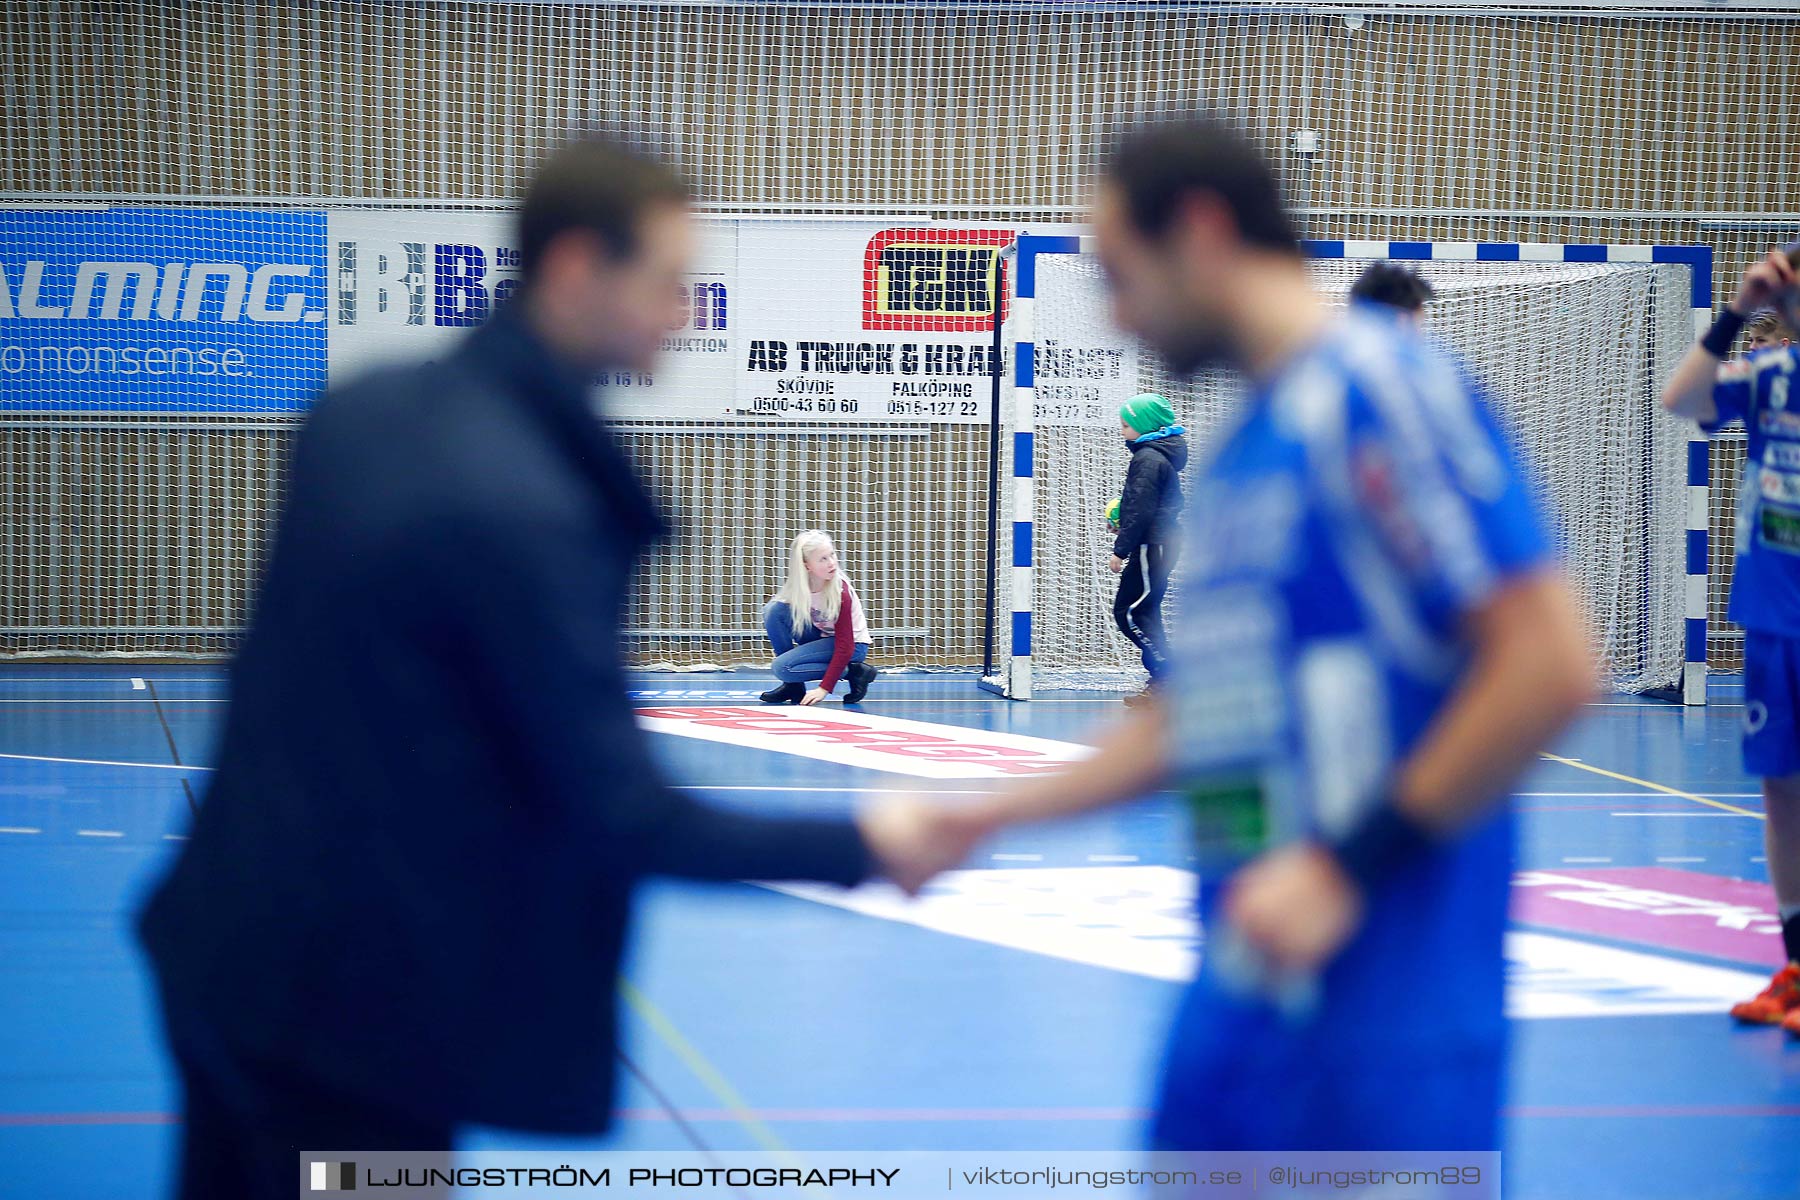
(1378, 639)
(1762, 391)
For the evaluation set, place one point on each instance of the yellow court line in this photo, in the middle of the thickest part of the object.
(1657, 787)
(703, 1070)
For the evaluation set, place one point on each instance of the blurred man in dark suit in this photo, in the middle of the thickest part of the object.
(405, 898)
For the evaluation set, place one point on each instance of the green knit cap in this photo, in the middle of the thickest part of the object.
(1147, 413)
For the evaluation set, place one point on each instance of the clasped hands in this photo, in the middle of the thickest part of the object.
(1294, 905)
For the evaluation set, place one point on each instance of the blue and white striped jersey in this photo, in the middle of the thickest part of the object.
(1363, 505)
(1760, 391)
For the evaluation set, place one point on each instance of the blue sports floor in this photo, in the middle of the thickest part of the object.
(1010, 1015)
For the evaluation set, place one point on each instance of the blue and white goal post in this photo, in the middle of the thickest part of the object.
(1009, 670)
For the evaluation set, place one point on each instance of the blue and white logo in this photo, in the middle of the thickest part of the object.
(162, 310)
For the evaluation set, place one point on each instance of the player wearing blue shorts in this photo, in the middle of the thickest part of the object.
(1763, 392)
(1378, 639)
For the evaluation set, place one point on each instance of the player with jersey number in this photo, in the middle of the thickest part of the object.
(1378, 639)
(1762, 391)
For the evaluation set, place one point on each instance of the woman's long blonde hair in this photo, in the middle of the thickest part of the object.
(797, 593)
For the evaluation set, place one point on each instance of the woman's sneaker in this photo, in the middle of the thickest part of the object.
(1775, 1003)
(787, 693)
(861, 675)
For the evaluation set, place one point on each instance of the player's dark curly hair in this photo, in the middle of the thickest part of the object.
(1158, 166)
(1391, 284)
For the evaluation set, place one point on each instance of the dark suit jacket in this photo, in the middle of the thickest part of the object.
(412, 874)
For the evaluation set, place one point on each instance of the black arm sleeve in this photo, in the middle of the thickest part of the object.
(704, 842)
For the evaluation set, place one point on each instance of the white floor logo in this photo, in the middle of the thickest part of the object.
(1140, 920)
(918, 748)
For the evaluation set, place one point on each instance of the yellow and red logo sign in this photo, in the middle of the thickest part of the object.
(933, 280)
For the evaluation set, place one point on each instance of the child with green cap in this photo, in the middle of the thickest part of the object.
(1147, 544)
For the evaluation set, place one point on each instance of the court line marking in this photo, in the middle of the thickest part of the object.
(106, 833)
(709, 1076)
(831, 791)
(1655, 787)
(749, 686)
(1640, 795)
(829, 1115)
(725, 702)
(885, 700)
(165, 700)
(639, 696)
(924, 789)
(848, 1115)
(1664, 704)
(98, 679)
(896, 1115)
(93, 681)
(19, 829)
(4, 678)
(1658, 789)
(17, 1119)
(98, 762)
(1651, 1110)
(799, 1115)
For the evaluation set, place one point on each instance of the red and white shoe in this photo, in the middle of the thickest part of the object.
(1777, 1004)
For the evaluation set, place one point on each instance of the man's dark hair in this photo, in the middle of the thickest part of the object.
(1393, 285)
(596, 183)
(1159, 166)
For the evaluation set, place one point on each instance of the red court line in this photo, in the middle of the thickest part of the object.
(1653, 1110)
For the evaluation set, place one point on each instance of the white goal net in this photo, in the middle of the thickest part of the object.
(1574, 355)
